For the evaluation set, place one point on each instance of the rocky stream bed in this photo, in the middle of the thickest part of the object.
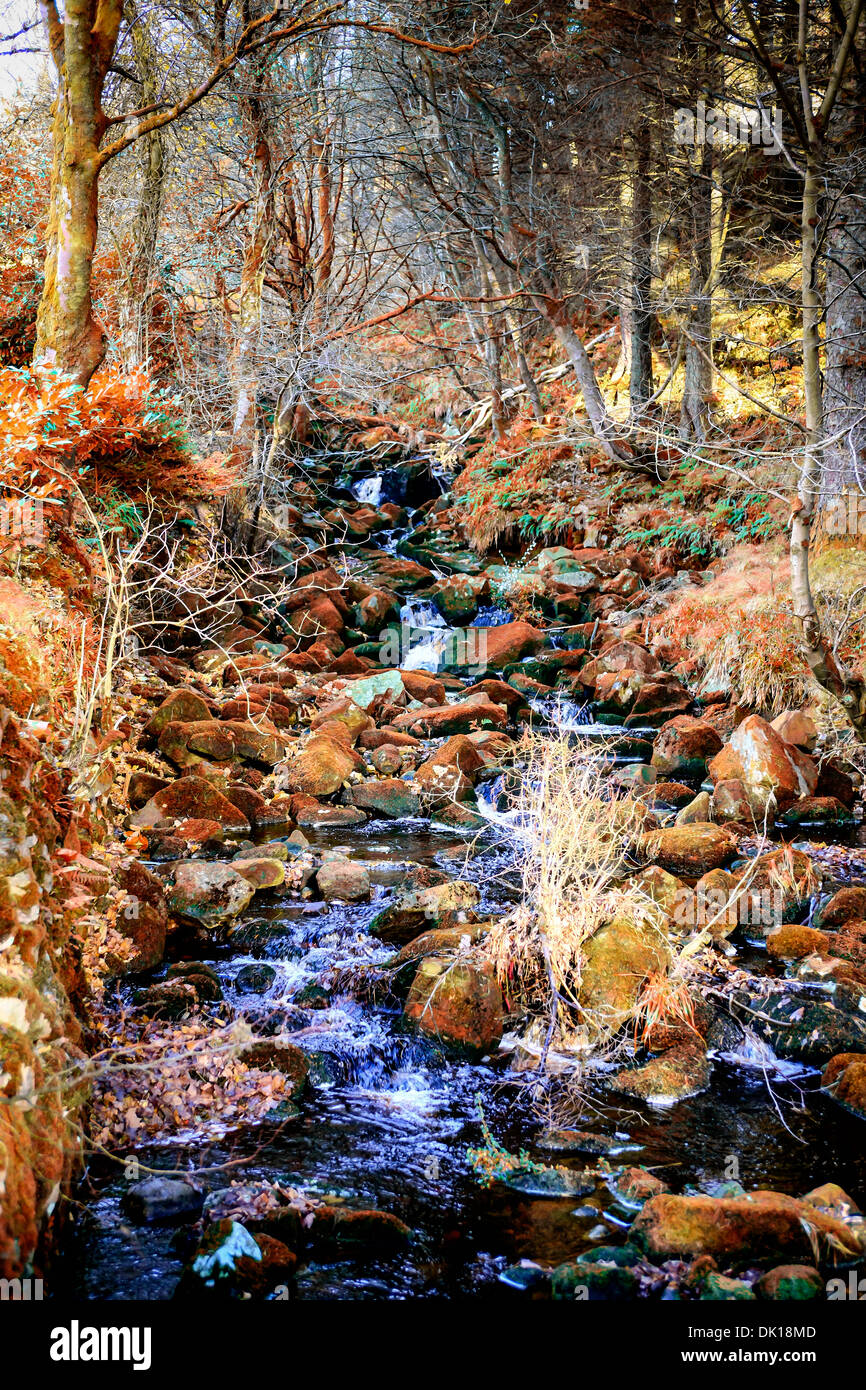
(320, 834)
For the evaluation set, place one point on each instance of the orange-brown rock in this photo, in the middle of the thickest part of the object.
(320, 768)
(191, 798)
(760, 1226)
(457, 1003)
(475, 713)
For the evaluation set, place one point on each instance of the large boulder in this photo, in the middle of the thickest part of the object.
(397, 572)
(658, 700)
(416, 909)
(448, 774)
(282, 1055)
(228, 1262)
(142, 917)
(222, 741)
(847, 905)
(845, 1079)
(439, 783)
(683, 745)
(681, 1071)
(804, 1027)
(420, 685)
(475, 712)
(616, 691)
(389, 683)
(791, 1284)
(244, 707)
(320, 768)
(141, 786)
(311, 814)
(777, 887)
(209, 893)
(458, 1003)
(191, 798)
(757, 1227)
(375, 609)
(499, 693)
(773, 773)
(459, 596)
(689, 849)
(389, 796)
(797, 727)
(665, 889)
(345, 713)
(619, 655)
(316, 618)
(501, 646)
(181, 706)
(161, 1199)
(262, 871)
(253, 805)
(342, 881)
(730, 803)
(618, 959)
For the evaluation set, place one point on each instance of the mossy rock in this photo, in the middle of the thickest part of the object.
(718, 1288)
(625, 1256)
(594, 1283)
(549, 1182)
(791, 1283)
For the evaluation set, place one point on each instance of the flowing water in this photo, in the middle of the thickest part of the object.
(389, 1120)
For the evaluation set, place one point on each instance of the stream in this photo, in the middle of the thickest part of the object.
(388, 1120)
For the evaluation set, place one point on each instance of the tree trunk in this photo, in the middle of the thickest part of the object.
(844, 459)
(850, 692)
(550, 305)
(698, 383)
(246, 366)
(622, 370)
(641, 317)
(135, 309)
(69, 339)
(492, 345)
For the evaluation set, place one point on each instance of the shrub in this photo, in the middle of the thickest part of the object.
(573, 832)
(120, 426)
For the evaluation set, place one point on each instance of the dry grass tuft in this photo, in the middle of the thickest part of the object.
(574, 832)
(742, 629)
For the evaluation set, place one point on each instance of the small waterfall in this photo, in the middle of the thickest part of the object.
(426, 636)
(421, 613)
(754, 1054)
(563, 713)
(369, 490)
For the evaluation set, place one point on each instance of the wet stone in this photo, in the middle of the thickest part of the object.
(255, 979)
(165, 1200)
